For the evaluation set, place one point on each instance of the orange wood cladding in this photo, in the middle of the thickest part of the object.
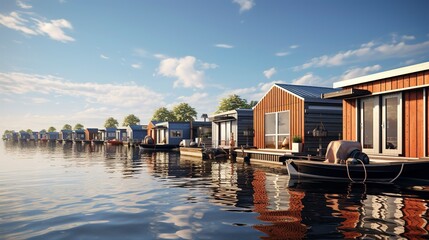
(277, 100)
(413, 110)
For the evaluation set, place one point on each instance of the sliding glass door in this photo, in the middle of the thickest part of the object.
(381, 124)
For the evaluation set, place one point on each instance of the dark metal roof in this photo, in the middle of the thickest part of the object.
(346, 93)
(309, 93)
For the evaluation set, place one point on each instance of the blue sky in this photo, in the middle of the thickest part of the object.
(82, 61)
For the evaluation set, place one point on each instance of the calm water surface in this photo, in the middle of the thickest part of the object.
(69, 191)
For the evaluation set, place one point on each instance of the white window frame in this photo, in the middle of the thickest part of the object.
(276, 134)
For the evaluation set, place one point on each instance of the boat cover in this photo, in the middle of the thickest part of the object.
(340, 150)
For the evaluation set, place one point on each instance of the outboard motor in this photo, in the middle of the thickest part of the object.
(358, 155)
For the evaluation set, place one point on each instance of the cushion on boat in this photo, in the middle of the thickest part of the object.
(340, 150)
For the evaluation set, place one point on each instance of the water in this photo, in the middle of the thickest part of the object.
(55, 191)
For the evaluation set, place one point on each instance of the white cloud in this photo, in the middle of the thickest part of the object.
(54, 29)
(30, 25)
(21, 4)
(358, 72)
(366, 52)
(104, 56)
(294, 46)
(408, 37)
(221, 45)
(38, 100)
(245, 5)
(136, 65)
(282, 54)
(160, 56)
(185, 70)
(194, 98)
(16, 22)
(308, 79)
(126, 95)
(270, 72)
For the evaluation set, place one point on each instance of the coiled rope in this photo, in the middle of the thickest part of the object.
(364, 169)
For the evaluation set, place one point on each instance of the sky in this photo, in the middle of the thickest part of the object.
(83, 61)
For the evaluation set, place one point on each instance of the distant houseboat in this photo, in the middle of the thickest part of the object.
(237, 122)
(79, 135)
(65, 135)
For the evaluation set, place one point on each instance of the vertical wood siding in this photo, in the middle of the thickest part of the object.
(349, 119)
(277, 100)
(413, 111)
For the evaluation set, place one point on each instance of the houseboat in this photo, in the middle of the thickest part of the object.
(79, 135)
(387, 112)
(293, 113)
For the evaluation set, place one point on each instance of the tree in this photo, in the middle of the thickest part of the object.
(162, 114)
(111, 123)
(183, 112)
(29, 131)
(252, 103)
(233, 102)
(52, 129)
(130, 120)
(78, 126)
(67, 127)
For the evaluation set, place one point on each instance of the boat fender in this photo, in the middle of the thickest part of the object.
(358, 155)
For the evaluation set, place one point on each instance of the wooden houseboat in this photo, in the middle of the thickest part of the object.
(79, 135)
(52, 136)
(288, 112)
(121, 135)
(136, 134)
(387, 112)
(34, 136)
(65, 136)
(92, 135)
(24, 136)
(237, 123)
(108, 134)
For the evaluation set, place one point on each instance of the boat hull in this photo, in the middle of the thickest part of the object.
(376, 172)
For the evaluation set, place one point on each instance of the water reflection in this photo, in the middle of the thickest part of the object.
(85, 185)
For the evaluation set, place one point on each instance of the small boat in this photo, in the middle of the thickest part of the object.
(345, 162)
(158, 147)
(114, 142)
(374, 172)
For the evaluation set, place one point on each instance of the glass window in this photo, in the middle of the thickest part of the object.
(176, 133)
(283, 122)
(277, 130)
(270, 123)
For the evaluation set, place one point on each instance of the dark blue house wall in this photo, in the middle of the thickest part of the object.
(183, 127)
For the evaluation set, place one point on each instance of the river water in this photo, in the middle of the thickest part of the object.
(70, 191)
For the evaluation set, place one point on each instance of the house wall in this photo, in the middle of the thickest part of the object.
(277, 100)
(414, 89)
(176, 126)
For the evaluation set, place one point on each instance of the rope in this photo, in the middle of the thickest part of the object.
(364, 169)
(399, 174)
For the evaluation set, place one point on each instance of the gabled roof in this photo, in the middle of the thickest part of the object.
(306, 93)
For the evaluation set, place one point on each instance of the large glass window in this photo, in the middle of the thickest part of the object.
(277, 130)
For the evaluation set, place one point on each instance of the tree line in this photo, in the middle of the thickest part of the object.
(179, 113)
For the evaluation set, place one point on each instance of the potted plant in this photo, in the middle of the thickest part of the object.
(296, 143)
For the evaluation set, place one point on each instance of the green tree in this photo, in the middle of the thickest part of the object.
(6, 132)
(252, 103)
(52, 129)
(162, 114)
(67, 127)
(111, 123)
(78, 126)
(232, 102)
(184, 112)
(29, 131)
(130, 120)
